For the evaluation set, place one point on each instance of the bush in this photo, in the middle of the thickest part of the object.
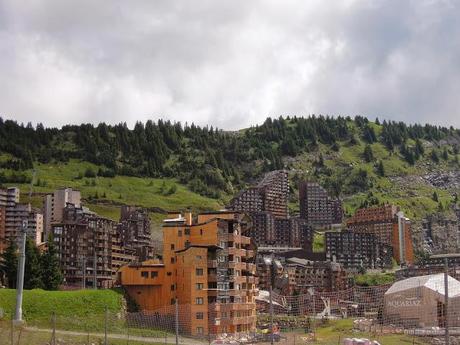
(90, 173)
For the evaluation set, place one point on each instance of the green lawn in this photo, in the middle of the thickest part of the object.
(80, 310)
(79, 305)
(334, 331)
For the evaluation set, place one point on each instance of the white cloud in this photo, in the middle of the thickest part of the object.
(229, 64)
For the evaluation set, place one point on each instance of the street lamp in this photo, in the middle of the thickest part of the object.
(446, 258)
(20, 278)
(270, 263)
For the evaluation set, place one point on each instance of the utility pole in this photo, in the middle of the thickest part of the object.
(446, 299)
(445, 258)
(21, 266)
(95, 269)
(84, 271)
(177, 322)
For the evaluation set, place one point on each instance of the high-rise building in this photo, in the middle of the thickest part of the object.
(12, 215)
(270, 195)
(208, 265)
(317, 207)
(356, 250)
(54, 204)
(135, 232)
(267, 204)
(323, 276)
(389, 226)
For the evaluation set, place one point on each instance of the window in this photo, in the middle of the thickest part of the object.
(173, 301)
(169, 274)
(180, 233)
(199, 300)
(199, 271)
(144, 274)
(153, 274)
(198, 257)
(187, 231)
(199, 330)
(172, 260)
(201, 231)
(173, 287)
(199, 316)
(172, 246)
(199, 286)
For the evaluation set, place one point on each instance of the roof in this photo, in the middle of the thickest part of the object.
(434, 282)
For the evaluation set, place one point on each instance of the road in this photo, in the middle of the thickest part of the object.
(149, 340)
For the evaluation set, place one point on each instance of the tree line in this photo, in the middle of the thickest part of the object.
(207, 159)
(42, 269)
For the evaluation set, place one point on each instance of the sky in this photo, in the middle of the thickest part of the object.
(229, 64)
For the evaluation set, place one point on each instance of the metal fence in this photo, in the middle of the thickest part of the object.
(414, 311)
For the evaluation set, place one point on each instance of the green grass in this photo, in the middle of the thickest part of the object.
(113, 192)
(373, 279)
(318, 242)
(39, 305)
(34, 337)
(80, 310)
(332, 331)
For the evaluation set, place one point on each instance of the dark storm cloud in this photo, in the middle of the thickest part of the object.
(228, 63)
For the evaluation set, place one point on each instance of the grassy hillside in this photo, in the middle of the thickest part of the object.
(168, 167)
(74, 309)
(105, 195)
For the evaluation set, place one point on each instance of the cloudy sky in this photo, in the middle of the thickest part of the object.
(228, 63)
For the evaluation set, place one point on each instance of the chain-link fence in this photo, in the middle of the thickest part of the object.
(412, 311)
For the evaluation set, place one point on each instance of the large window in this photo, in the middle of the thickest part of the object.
(144, 274)
(199, 300)
(153, 274)
(199, 286)
(199, 271)
(199, 316)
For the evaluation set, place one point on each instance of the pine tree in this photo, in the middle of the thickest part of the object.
(33, 271)
(434, 156)
(380, 169)
(52, 276)
(445, 154)
(368, 154)
(9, 264)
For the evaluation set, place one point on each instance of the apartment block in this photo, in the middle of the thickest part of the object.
(135, 233)
(293, 233)
(388, 224)
(270, 195)
(87, 244)
(208, 266)
(355, 250)
(322, 276)
(54, 204)
(317, 207)
(12, 215)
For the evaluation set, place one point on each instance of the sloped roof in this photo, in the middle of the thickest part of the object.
(434, 282)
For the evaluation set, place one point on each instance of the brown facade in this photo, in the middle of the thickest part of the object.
(270, 195)
(134, 231)
(208, 266)
(12, 215)
(356, 250)
(317, 208)
(323, 276)
(88, 243)
(389, 226)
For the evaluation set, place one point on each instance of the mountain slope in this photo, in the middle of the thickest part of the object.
(168, 166)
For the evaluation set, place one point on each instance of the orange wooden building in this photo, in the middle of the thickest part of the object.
(208, 266)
